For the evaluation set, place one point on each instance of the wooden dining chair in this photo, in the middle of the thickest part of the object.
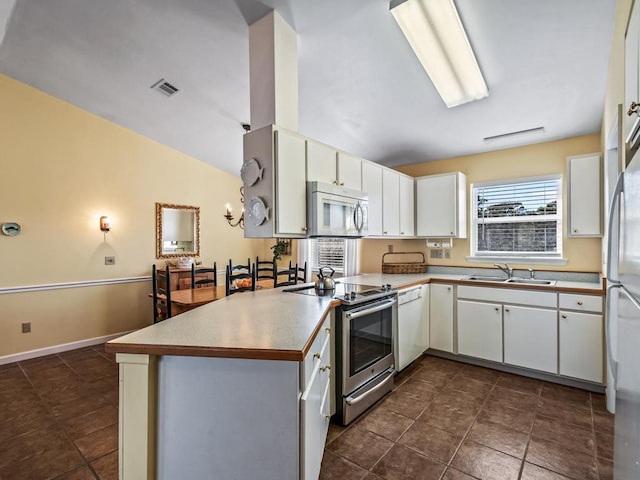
(231, 280)
(161, 294)
(301, 273)
(207, 279)
(265, 269)
(285, 277)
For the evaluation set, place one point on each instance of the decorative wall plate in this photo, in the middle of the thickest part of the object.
(11, 229)
(251, 172)
(258, 212)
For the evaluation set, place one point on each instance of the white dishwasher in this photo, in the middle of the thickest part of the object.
(408, 338)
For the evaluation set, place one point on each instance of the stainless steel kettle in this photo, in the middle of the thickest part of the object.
(324, 281)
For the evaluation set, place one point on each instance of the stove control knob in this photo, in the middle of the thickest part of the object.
(353, 295)
(346, 296)
(388, 287)
(383, 288)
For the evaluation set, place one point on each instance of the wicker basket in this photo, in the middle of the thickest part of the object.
(404, 266)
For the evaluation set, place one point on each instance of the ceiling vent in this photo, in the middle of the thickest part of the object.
(166, 88)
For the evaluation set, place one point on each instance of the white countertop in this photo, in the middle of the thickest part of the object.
(272, 324)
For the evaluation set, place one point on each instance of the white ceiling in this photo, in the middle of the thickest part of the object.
(361, 88)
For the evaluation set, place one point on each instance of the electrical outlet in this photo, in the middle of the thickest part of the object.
(447, 253)
(436, 253)
(26, 327)
(109, 260)
(390, 248)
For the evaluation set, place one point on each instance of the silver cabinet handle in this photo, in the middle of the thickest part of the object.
(497, 309)
(326, 367)
(633, 108)
(563, 316)
(507, 310)
(579, 302)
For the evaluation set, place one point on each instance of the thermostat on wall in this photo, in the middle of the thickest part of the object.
(11, 229)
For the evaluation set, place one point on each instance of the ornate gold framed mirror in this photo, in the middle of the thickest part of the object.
(177, 231)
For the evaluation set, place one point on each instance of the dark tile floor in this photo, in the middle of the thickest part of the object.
(59, 417)
(444, 420)
(451, 421)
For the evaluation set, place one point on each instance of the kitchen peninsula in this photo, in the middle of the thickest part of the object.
(239, 388)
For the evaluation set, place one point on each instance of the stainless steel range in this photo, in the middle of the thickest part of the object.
(364, 344)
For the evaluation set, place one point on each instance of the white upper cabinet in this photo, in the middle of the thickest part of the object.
(291, 191)
(325, 164)
(407, 202)
(585, 210)
(441, 204)
(390, 203)
(273, 174)
(321, 163)
(631, 75)
(372, 184)
(349, 171)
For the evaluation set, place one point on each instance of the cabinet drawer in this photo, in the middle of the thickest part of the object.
(320, 352)
(315, 412)
(508, 295)
(583, 303)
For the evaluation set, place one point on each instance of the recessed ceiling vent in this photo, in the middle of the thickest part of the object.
(166, 88)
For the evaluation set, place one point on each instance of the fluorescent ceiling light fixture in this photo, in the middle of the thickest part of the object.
(435, 32)
(531, 132)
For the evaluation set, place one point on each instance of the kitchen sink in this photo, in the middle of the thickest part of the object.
(530, 281)
(485, 278)
(522, 281)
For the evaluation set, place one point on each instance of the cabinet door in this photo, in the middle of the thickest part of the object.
(480, 330)
(631, 68)
(372, 184)
(441, 317)
(531, 338)
(291, 189)
(584, 196)
(425, 317)
(581, 345)
(321, 163)
(406, 206)
(315, 404)
(390, 202)
(441, 206)
(349, 171)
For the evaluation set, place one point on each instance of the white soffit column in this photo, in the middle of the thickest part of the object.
(6, 9)
(273, 70)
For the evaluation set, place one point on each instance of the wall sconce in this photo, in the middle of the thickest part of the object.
(229, 216)
(105, 226)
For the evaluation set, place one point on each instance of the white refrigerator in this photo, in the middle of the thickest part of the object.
(622, 328)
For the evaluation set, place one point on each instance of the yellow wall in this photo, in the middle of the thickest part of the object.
(61, 169)
(583, 254)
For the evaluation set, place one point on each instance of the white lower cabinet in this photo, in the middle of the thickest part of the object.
(315, 404)
(480, 330)
(441, 317)
(581, 345)
(531, 338)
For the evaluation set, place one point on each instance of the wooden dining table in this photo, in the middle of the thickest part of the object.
(190, 298)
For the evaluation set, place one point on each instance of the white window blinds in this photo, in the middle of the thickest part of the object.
(518, 218)
(327, 252)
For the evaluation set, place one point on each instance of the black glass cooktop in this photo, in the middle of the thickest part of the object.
(348, 293)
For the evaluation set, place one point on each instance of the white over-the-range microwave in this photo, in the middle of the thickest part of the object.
(334, 211)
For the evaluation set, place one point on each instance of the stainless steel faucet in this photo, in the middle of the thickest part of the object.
(506, 269)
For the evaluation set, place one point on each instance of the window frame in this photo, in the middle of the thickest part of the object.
(312, 252)
(550, 258)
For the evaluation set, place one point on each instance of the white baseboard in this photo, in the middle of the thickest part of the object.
(41, 352)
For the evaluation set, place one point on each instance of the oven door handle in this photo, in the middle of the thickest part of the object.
(352, 401)
(366, 310)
